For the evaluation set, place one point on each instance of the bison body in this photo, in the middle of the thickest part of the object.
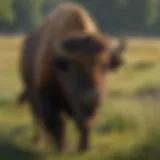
(63, 65)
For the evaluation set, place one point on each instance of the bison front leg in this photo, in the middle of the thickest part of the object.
(36, 109)
(55, 126)
(54, 123)
(84, 136)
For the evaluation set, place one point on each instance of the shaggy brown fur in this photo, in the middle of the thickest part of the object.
(61, 61)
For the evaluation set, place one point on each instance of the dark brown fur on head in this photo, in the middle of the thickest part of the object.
(89, 44)
(95, 43)
(90, 57)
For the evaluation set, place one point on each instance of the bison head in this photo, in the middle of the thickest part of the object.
(82, 69)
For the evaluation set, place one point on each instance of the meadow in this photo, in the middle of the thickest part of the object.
(128, 126)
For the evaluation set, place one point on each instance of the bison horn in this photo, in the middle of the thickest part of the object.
(116, 60)
(120, 48)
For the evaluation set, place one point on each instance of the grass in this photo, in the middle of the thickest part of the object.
(128, 126)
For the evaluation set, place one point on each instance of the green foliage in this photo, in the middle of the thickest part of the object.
(28, 13)
(112, 15)
(142, 13)
(153, 15)
(6, 10)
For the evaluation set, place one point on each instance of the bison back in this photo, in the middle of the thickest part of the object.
(28, 58)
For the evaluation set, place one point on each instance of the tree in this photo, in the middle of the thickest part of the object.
(142, 13)
(6, 11)
(28, 13)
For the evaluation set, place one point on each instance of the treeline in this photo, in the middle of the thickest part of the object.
(117, 16)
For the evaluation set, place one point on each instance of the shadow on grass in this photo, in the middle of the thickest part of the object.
(9, 151)
(144, 65)
(143, 152)
(6, 101)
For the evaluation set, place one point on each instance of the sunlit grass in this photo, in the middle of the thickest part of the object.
(128, 126)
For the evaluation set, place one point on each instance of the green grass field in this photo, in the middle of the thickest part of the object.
(128, 126)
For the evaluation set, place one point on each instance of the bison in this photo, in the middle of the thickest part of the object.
(64, 65)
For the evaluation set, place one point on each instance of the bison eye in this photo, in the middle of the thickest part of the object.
(62, 64)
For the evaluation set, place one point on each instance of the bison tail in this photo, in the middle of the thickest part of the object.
(22, 98)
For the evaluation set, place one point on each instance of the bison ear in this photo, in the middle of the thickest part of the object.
(85, 44)
(116, 60)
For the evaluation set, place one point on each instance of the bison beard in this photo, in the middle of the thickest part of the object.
(51, 84)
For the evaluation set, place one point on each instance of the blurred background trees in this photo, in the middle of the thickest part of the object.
(115, 16)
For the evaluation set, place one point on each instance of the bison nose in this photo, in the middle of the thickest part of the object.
(91, 97)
